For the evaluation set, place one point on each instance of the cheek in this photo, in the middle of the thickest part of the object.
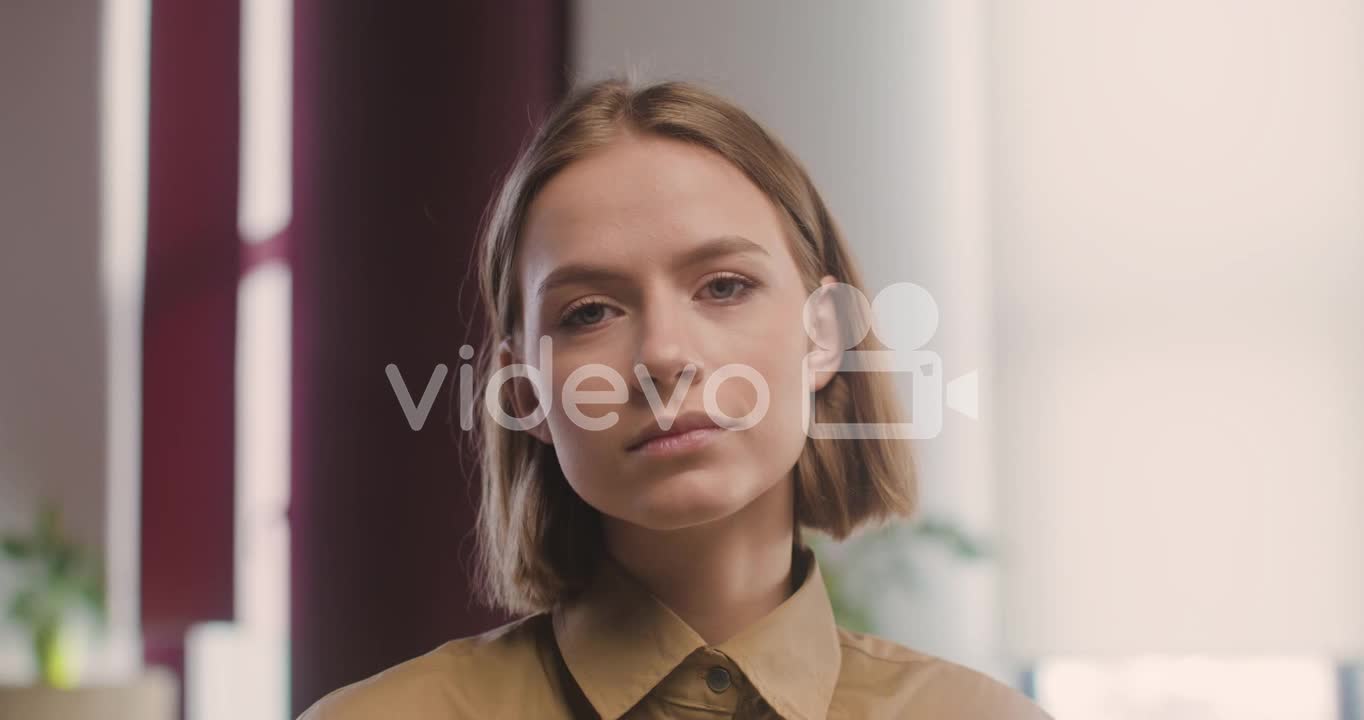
(774, 352)
(588, 411)
(584, 444)
(581, 454)
(775, 356)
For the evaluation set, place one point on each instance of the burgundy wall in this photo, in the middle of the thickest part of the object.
(189, 324)
(406, 113)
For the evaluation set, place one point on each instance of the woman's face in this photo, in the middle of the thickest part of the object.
(656, 253)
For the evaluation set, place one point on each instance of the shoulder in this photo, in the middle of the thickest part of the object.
(882, 678)
(464, 677)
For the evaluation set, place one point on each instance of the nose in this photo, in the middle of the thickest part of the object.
(667, 348)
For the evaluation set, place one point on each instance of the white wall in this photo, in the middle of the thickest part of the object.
(883, 102)
(1179, 207)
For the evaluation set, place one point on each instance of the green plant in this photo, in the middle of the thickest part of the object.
(57, 577)
(867, 560)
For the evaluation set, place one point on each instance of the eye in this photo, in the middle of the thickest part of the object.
(730, 286)
(724, 287)
(584, 314)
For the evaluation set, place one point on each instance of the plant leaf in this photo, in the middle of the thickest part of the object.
(23, 608)
(16, 548)
(92, 592)
(953, 537)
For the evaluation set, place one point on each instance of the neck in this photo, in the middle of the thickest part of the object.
(719, 576)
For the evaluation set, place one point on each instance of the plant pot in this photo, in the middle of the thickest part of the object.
(151, 697)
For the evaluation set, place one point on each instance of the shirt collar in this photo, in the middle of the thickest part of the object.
(619, 641)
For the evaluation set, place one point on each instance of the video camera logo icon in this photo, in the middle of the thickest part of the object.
(905, 317)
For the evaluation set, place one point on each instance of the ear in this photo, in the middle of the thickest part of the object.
(826, 353)
(522, 392)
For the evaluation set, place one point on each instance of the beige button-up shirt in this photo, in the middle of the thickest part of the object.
(617, 651)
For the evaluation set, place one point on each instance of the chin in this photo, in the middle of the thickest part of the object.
(689, 498)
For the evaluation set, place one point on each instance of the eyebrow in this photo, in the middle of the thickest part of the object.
(588, 273)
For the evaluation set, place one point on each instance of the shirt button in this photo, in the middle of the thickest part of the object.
(717, 679)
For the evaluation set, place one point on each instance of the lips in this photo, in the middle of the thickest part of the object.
(683, 423)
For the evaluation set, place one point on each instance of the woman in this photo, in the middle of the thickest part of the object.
(653, 251)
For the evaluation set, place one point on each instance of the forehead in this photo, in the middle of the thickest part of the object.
(640, 200)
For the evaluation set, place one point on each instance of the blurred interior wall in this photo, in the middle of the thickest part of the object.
(52, 327)
(1177, 202)
(192, 267)
(405, 116)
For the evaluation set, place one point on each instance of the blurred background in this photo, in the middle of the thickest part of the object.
(1142, 225)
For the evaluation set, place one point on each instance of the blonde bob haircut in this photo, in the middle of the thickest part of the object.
(537, 540)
